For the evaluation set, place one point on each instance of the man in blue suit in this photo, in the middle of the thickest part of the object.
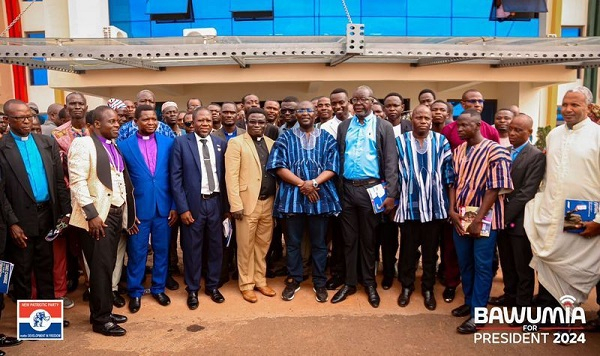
(198, 187)
(147, 157)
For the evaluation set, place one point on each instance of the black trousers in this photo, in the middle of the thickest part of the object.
(387, 239)
(519, 278)
(275, 253)
(101, 256)
(359, 225)
(413, 234)
(37, 257)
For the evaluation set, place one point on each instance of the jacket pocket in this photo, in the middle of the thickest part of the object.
(243, 187)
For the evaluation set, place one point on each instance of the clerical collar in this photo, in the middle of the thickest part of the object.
(104, 140)
(257, 138)
(19, 138)
(145, 138)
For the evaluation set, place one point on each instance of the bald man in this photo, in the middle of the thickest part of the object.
(53, 120)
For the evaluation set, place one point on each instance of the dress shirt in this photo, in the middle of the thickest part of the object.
(149, 150)
(284, 127)
(117, 165)
(204, 178)
(331, 126)
(34, 167)
(514, 152)
(267, 184)
(361, 159)
(229, 136)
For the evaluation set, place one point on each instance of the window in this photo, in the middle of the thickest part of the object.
(170, 11)
(569, 31)
(243, 10)
(38, 76)
(517, 10)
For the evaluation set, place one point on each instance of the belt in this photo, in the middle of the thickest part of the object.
(210, 196)
(361, 182)
(116, 209)
(263, 197)
(42, 206)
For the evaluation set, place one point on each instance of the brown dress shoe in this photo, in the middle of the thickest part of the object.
(249, 296)
(266, 290)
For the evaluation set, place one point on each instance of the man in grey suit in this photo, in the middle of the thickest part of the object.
(228, 128)
(527, 171)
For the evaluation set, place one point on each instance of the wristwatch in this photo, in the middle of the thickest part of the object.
(315, 184)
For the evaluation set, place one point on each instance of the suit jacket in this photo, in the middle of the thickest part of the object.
(220, 133)
(271, 131)
(387, 152)
(6, 210)
(526, 172)
(18, 189)
(186, 180)
(244, 173)
(91, 183)
(152, 192)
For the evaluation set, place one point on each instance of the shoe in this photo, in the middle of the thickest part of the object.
(463, 310)
(86, 295)
(321, 294)
(467, 327)
(343, 293)
(334, 282)
(249, 296)
(68, 303)
(387, 282)
(109, 329)
(118, 318)
(502, 301)
(171, 283)
(118, 300)
(6, 341)
(66, 323)
(72, 284)
(449, 294)
(404, 297)
(162, 299)
(192, 300)
(290, 290)
(373, 296)
(266, 291)
(592, 326)
(215, 295)
(135, 303)
(429, 300)
(2, 353)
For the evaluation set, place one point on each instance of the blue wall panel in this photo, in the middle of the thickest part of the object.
(252, 28)
(294, 26)
(223, 26)
(254, 5)
(383, 8)
(118, 11)
(290, 8)
(168, 29)
(518, 28)
(335, 8)
(428, 26)
(385, 26)
(473, 27)
(429, 8)
(332, 26)
(211, 9)
(139, 29)
(471, 8)
(137, 10)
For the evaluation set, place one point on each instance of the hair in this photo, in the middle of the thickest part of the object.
(75, 93)
(140, 108)
(464, 95)
(247, 95)
(505, 109)
(421, 106)
(472, 113)
(215, 104)
(319, 97)
(62, 113)
(367, 88)
(587, 93)
(338, 91)
(255, 111)
(527, 117)
(272, 100)
(187, 104)
(442, 102)
(145, 91)
(89, 117)
(98, 112)
(9, 103)
(290, 99)
(229, 103)
(394, 94)
(197, 110)
(425, 91)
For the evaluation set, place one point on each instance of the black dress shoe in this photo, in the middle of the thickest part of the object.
(387, 282)
(343, 293)
(118, 318)
(135, 303)
(2, 353)
(215, 295)
(118, 300)
(86, 295)
(192, 300)
(171, 283)
(66, 323)
(461, 311)
(404, 297)
(429, 300)
(502, 301)
(373, 296)
(449, 294)
(467, 327)
(72, 284)
(162, 299)
(109, 329)
(334, 282)
(6, 341)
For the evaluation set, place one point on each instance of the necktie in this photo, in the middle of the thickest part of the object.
(208, 165)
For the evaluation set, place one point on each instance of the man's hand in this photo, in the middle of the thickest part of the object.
(172, 218)
(388, 205)
(96, 226)
(65, 219)
(474, 229)
(313, 197)
(187, 218)
(17, 233)
(134, 229)
(456, 220)
(307, 188)
(238, 215)
(591, 229)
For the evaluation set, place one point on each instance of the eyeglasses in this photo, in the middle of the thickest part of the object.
(302, 111)
(475, 101)
(361, 100)
(21, 118)
(288, 111)
(188, 123)
(257, 122)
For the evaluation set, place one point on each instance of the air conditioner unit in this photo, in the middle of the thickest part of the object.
(208, 34)
(113, 32)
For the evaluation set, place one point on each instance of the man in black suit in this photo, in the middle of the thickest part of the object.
(529, 165)
(37, 196)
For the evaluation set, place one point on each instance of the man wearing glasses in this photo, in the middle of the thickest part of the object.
(368, 157)
(288, 114)
(228, 128)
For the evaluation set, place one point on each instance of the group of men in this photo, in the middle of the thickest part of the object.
(121, 179)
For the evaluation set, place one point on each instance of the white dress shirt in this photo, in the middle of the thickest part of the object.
(213, 161)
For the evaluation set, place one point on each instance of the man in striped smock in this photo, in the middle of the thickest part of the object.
(482, 169)
(426, 174)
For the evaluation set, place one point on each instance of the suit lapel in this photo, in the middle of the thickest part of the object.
(102, 163)
(248, 141)
(13, 156)
(194, 148)
(134, 147)
(522, 156)
(161, 152)
(218, 154)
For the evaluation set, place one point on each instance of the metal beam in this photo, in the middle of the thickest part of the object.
(585, 65)
(32, 63)
(438, 60)
(533, 61)
(340, 59)
(240, 61)
(136, 63)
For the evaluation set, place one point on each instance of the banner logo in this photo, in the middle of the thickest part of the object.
(40, 319)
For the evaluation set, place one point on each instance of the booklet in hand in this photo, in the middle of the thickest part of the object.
(577, 212)
(468, 213)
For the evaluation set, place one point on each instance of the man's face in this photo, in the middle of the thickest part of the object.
(188, 123)
(378, 111)
(426, 99)
(180, 119)
(130, 109)
(147, 123)
(362, 103)
(473, 100)
(288, 111)
(193, 104)
(228, 115)
(502, 119)
(123, 116)
(272, 109)
(324, 109)
(170, 115)
(339, 104)
(215, 114)
(251, 101)
(439, 113)
(257, 123)
(421, 120)
(573, 109)
(108, 125)
(36, 127)
(519, 131)
(393, 108)
(145, 98)
(467, 127)
(203, 123)
(20, 119)
(76, 107)
(3, 124)
(305, 114)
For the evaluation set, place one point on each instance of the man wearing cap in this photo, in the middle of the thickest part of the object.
(121, 109)
(170, 112)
